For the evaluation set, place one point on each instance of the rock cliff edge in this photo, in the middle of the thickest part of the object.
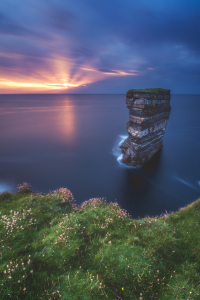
(149, 111)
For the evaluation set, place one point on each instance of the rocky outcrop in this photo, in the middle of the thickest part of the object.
(149, 111)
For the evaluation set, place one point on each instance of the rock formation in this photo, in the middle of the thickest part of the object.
(149, 111)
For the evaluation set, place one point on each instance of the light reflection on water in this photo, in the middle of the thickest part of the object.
(66, 119)
(72, 141)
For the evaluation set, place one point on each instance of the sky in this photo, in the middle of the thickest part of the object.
(99, 46)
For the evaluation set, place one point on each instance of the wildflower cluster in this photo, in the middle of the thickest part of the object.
(65, 193)
(121, 212)
(16, 221)
(17, 273)
(95, 251)
(93, 202)
(54, 295)
(24, 186)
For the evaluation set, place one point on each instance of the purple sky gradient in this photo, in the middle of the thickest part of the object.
(86, 46)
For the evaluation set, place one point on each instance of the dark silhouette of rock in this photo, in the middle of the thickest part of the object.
(149, 111)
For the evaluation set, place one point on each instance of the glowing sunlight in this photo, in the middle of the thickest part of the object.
(53, 75)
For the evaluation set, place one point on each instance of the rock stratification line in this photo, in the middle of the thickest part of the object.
(149, 111)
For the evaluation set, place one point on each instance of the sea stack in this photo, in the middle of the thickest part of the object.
(149, 111)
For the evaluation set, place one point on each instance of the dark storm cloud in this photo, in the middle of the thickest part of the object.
(157, 37)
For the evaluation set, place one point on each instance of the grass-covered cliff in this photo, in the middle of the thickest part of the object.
(50, 249)
(160, 91)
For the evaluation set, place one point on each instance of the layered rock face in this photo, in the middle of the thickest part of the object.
(149, 111)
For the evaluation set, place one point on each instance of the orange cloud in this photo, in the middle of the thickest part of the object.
(55, 74)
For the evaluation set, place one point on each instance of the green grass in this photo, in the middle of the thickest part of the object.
(51, 249)
(148, 91)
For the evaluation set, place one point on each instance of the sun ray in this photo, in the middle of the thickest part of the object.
(55, 74)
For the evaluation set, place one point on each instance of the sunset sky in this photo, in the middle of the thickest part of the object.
(99, 46)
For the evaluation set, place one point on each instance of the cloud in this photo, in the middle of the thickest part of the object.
(10, 27)
(72, 38)
(60, 19)
(107, 71)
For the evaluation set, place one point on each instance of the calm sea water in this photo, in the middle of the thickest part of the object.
(72, 141)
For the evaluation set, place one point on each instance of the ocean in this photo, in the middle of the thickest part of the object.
(72, 141)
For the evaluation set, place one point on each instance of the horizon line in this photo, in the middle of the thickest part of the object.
(85, 94)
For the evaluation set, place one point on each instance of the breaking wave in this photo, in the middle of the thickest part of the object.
(116, 151)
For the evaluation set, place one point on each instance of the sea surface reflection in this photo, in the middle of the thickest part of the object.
(73, 141)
